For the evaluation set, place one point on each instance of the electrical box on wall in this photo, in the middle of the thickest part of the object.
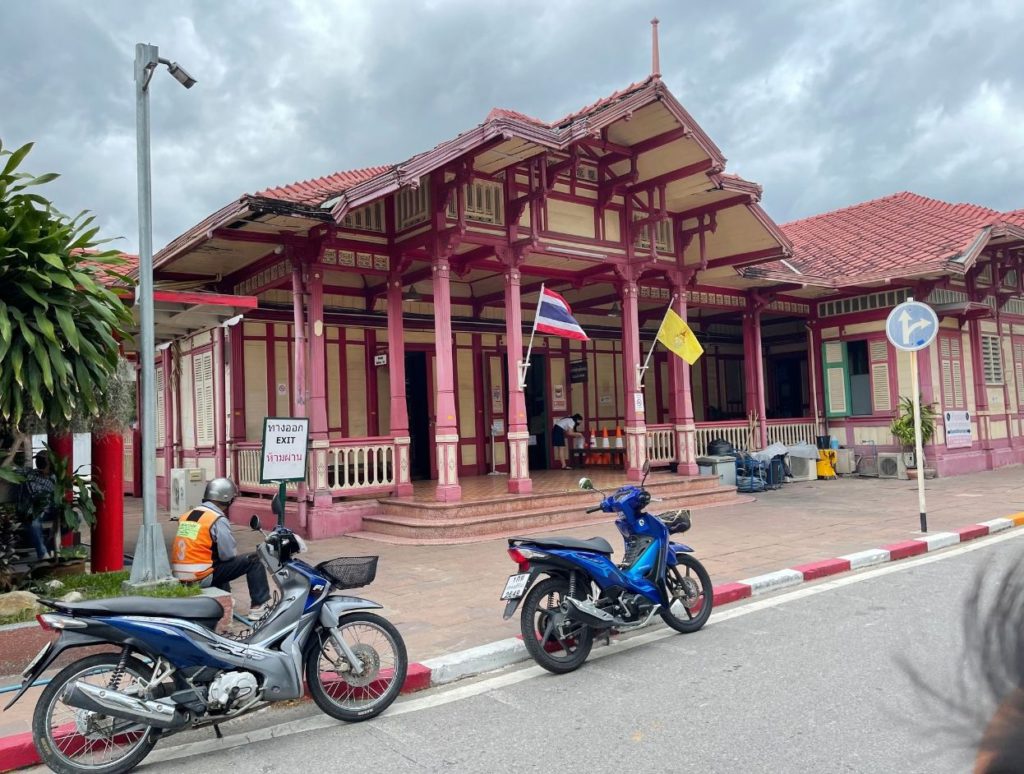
(187, 487)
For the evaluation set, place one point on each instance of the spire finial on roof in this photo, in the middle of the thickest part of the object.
(655, 58)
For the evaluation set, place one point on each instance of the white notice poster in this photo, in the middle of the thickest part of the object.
(958, 429)
(283, 456)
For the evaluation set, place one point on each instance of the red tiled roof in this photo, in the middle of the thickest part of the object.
(318, 190)
(604, 102)
(896, 236)
(1016, 217)
(497, 113)
(130, 266)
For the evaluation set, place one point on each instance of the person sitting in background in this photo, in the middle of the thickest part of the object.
(39, 486)
(564, 428)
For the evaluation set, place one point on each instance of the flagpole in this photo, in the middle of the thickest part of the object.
(642, 370)
(525, 364)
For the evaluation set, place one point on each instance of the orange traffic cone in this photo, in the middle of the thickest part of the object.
(618, 437)
(606, 457)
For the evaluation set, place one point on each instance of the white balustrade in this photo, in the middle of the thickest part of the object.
(661, 445)
(739, 434)
(361, 465)
(791, 432)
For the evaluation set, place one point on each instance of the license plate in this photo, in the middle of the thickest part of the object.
(39, 657)
(515, 586)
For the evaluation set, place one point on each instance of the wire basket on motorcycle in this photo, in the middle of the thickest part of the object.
(349, 572)
(677, 521)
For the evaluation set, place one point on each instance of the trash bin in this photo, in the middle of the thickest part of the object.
(723, 467)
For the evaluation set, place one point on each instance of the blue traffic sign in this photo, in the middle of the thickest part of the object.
(912, 326)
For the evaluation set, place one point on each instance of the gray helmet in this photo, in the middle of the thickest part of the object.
(221, 490)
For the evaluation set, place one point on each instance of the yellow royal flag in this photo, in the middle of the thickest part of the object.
(676, 335)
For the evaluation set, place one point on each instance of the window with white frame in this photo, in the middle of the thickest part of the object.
(992, 358)
(202, 380)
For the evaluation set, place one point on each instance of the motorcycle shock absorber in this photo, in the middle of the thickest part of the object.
(572, 584)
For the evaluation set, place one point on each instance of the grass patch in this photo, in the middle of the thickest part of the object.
(23, 617)
(102, 585)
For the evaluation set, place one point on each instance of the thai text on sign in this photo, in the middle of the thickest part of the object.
(283, 454)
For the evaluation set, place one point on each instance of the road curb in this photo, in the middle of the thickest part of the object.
(17, 751)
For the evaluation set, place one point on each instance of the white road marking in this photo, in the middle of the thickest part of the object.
(458, 693)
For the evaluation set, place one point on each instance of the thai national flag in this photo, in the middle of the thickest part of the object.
(554, 317)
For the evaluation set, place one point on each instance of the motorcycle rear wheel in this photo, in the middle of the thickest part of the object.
(557, 652)
(690, 595)
(73, 741)
(343, 695)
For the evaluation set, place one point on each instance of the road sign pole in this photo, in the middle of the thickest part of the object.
(918, 445)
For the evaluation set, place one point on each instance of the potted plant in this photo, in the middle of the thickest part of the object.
(902, 428)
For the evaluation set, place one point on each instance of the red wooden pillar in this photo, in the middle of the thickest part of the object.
(236, 341)
(636, 428)
(107, 543)
(317, 406)
(759, 371)
(754, 371)
(164, 493)
(446, 431)
(220, 458)
(399, 410)
(681, 400)
(299, 367)
(519, 481)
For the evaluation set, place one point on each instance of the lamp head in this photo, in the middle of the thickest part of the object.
(181, 75)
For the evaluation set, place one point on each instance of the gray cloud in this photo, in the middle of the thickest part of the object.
(825, 104)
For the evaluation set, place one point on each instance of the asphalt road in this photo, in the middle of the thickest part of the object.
(808, 681)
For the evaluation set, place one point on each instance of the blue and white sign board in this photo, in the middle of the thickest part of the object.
(912, 326)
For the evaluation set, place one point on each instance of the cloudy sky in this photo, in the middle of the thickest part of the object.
(823, 103)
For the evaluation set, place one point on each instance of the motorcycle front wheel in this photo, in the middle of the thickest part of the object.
(344, 692)
(690, 595)
(554, 640)
(72, 740)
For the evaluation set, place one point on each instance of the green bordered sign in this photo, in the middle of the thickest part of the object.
(283, 454)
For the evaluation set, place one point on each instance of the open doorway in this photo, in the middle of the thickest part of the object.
(417, 392)
(537, 417)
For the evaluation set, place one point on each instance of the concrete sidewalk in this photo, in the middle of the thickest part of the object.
(445, 598)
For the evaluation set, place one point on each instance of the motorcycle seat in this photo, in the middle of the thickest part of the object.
(597, 544)
(199, 609)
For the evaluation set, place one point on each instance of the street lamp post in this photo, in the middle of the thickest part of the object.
(150, 563)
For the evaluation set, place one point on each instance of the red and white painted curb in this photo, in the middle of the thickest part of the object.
(18, 751)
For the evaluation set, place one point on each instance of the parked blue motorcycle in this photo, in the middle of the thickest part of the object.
(584, 592)
(105, 712)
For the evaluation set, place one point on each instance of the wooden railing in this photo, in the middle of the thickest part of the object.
(738, 433)
(129, 462)
(791, 431)
(661, 445)
(358, 465)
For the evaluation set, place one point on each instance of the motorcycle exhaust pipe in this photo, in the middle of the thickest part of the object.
(587, 612)
(122, 706)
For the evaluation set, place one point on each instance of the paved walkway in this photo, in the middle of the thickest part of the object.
(445, 598)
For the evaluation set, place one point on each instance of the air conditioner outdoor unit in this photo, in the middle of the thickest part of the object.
(187, 487)
(803, 469)
(891, 465)
(846, 464)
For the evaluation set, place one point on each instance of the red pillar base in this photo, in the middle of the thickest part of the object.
(636, 452)
(519, 481)
(108, 531)
(448, 493)
(448, 489)
(520, 485)
(403, 482)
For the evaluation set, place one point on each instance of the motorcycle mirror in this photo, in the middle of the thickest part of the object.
(254, 523)
(277, 507)
(586, 484)
(646, 469)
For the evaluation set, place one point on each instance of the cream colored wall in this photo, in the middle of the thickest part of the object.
(255, 355)
(570, 218)
(355, 373)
